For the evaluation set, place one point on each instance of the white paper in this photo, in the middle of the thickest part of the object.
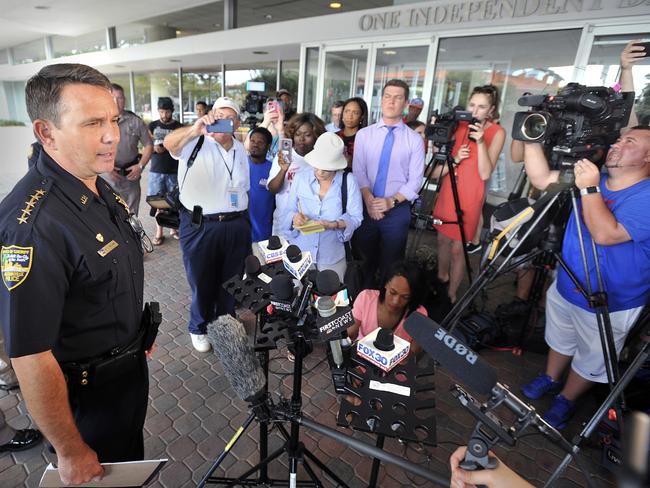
(131, 473)
(390, 387)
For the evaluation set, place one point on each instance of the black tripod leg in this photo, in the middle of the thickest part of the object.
(262, 464)
(227, 449)
(374, 472)
(325, 469)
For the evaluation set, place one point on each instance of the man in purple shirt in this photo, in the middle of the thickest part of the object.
(388, 165)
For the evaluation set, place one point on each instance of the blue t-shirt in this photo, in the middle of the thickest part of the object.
(261, 202)
(625, 267)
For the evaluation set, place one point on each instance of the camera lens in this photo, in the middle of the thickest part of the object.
(534, 126)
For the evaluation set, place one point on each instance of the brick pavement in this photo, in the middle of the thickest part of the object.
(193, 411)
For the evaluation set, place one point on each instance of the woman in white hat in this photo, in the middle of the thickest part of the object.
(316, 196)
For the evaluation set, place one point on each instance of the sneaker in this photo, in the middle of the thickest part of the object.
(540, 386)
(560, 412)
(472, 248)
(200, 342)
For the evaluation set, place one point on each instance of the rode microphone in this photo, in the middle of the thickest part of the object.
(463, 363)
(296, 262)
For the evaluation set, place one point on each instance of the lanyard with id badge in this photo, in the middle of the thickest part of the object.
(232, 192)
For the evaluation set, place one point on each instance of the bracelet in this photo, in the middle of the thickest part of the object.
(588, 190)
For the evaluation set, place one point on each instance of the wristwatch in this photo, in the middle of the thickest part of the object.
(588, 190)
(141, 166)
(395, 202)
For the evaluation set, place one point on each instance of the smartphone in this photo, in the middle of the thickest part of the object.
(285, 147)
(646, 46)
(225, 126)
(272, 106)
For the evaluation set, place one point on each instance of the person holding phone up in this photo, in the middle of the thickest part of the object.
(213, 180)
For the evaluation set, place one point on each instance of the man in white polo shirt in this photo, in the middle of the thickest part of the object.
(214, 230)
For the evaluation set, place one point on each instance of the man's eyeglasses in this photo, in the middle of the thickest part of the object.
(136, 225)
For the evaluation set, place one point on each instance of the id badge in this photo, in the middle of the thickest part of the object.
(233, 198)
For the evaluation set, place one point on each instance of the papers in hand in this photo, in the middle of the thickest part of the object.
(310, 227)
(132, 473)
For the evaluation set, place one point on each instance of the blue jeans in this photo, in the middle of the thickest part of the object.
(161, 183)
(212, 254)
(380, 243)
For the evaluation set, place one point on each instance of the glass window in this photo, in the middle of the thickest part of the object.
(68, 45)
(199, 85)
(404, 63)
(182, 23)
(535, 62)
(289, 75)
(29, 52)
(311, 79)
(604, 69)
(150, 86)
(4, 56)
(345, 72)
(123, 81)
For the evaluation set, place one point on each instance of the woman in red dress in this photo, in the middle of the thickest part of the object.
(476, 152)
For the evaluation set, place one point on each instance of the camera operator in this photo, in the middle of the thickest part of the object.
(614, 213)
(498, 477)
(629, 56)
(476, 152)
(214, 229)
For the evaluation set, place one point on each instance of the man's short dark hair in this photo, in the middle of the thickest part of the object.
(43, 90)
(338, 104)
(264, 132)
(201, 102)
(400, 83)
(116, 87)
(640, 127)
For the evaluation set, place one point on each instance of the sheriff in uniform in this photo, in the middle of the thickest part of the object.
(72, 272)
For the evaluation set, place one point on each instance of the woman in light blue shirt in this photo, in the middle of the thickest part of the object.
(316, 195)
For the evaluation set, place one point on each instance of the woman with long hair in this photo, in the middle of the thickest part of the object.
(476, 152)
(353, 117)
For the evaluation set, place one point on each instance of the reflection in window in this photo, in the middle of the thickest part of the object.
(402, 63)
(199, 86)
(29, 52)
(604, 67)
(149, 87)
(311, 79)
(123, 81)
(345, 72)
(536, 62)
(71, 45)
(289, 76)
(4, 56)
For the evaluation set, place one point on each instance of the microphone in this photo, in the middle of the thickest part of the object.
(296, 262)
(383, 349)
(273, 249)
(231, 346)
(328, 284)
(252, 266)
(463, 363)
(283, 293)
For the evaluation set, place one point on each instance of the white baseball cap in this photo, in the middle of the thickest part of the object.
(225, 102)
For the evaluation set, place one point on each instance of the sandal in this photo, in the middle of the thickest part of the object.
(174, 235)
(157, 241)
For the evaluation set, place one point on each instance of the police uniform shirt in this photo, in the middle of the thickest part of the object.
(218, 181)
(72, 267)
(132, 130)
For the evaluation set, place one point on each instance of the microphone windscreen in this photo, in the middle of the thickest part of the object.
(274, 243)
(294, 254)
(385, 340)
(327, 282)
(231, 346)
(252, 265)
(463, 363)
(282, 287)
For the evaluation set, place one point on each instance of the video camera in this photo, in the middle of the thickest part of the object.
(166, 208)
(580, 121)
(442, 131)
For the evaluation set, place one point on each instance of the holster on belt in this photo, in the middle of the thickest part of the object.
(95, 372)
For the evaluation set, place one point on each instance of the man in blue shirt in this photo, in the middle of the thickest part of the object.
(261, 202)
(388, 165)
(614, 213)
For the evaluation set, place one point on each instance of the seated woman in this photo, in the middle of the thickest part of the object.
(303, 129)
(353, 117)
(316, 196)
(389, 307)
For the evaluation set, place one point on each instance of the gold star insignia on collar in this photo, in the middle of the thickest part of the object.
(99, 237)
(84, 199)
(29, 206)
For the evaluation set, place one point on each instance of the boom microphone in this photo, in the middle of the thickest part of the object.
(463, 363)
(230, 343)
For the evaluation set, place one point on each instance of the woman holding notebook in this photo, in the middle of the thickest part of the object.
(314, 219)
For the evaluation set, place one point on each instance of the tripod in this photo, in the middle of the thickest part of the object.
(440, 158)
(292, 447)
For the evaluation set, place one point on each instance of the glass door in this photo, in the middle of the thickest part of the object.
(343, 76)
